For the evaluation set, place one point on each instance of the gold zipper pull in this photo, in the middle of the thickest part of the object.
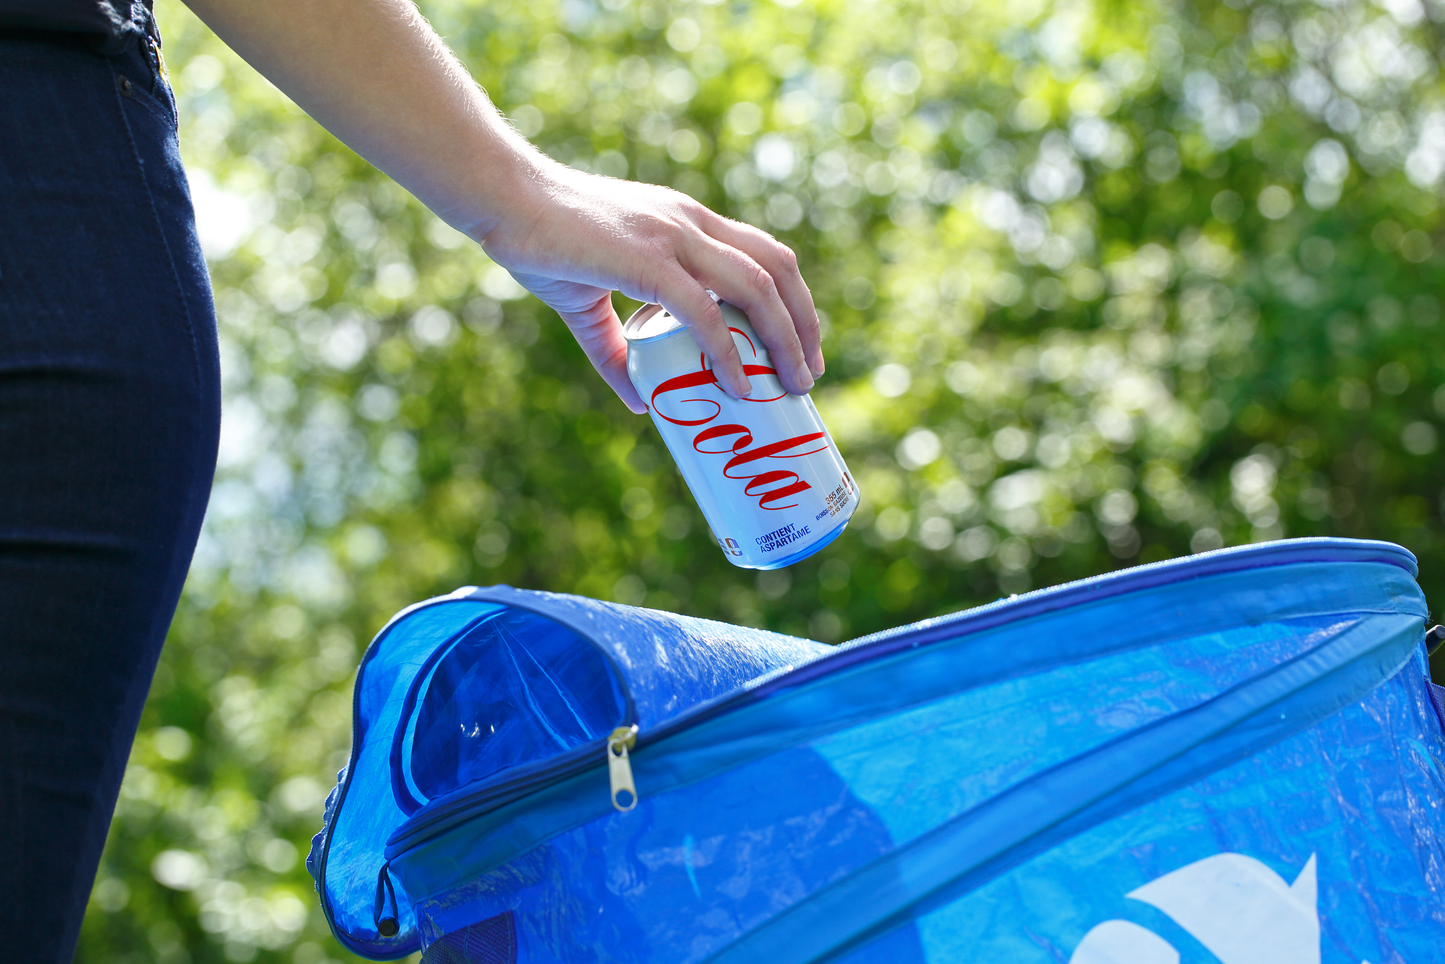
(161, 62)
(619, 769)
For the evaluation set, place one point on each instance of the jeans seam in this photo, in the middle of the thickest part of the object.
(161, 91)
(170, 261)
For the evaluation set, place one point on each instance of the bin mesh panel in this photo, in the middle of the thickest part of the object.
(492, 941)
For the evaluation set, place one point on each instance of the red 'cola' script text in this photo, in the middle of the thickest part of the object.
(768, 485)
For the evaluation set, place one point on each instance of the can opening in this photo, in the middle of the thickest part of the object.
(650, 321)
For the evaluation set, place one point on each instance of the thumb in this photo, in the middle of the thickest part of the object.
(599, 332)
(588, 313)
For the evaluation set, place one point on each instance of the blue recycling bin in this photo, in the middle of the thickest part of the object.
(1234, 757)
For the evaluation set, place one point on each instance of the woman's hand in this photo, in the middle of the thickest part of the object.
(575, 238)
(376, 75)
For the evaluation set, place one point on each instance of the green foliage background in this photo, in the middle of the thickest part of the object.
(1104, 283)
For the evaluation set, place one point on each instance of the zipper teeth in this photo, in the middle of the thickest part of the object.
(505, 791)
(835, 662)
(411, 834)
(576, 762)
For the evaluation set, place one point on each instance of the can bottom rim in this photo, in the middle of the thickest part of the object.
(801, 554)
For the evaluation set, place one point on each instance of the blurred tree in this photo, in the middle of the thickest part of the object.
(1104, 283)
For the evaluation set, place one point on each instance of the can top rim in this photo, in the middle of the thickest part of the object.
(649, 323)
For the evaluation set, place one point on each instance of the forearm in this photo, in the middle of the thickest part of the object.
(376, 75)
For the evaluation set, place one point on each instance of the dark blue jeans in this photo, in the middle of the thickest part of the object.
(109, 417)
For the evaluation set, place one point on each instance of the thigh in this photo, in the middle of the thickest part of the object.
(109, 416)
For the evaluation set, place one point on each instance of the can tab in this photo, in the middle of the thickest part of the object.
(619, 767)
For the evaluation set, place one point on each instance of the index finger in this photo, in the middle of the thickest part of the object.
(779, 261)
(688, 301)
(741, 281)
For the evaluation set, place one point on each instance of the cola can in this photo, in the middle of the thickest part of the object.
(764, 469)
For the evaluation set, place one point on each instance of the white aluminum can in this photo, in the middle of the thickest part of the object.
(764, 469)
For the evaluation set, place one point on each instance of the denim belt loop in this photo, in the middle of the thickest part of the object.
(146, 19)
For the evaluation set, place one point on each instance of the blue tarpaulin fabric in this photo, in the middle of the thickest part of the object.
(1233, 757)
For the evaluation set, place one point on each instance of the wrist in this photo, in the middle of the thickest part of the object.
(517, 193)
(508, 178)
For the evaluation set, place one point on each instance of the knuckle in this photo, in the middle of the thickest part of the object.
(659, 240)
(649, 284)
(764, 284)
(712, 316)
(688, 209)
(787, 257)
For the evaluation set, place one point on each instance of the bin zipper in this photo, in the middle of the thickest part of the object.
(446, 813)
(441, 816)
(513, 786)
(619, 768)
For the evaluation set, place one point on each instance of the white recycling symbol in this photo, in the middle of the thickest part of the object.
(1239, 909)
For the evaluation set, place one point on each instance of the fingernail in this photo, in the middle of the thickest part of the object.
(745, 387)
(818, 367)
(805, 378)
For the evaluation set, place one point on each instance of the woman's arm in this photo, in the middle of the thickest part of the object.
(375, 74)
